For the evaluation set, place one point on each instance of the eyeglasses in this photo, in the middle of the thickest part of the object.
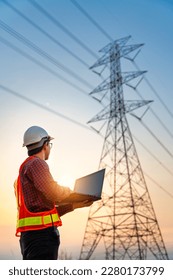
(50, 144)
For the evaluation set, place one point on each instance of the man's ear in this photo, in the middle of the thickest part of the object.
(44, 146)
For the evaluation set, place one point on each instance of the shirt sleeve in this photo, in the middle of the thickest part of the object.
(39, 173)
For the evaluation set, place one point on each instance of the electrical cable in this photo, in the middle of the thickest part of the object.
(151, 154)
(16, 94)
(43, 66)
(62, 27)
(156, 116)
(42, 53)
(46, 33)
(91, 19)
(163, 189)
(155, 92)
(154, 136)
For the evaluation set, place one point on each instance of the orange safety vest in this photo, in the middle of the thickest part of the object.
(27, 220)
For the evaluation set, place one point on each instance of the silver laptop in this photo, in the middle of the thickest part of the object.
(87, 188)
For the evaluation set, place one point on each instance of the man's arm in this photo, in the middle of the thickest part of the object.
(66, 208)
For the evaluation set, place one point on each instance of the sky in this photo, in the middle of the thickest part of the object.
(46, 81)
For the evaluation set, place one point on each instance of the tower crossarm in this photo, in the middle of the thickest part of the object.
(125, 78)
(128, 76)
(123, 51)
(126, 106)
(135, 104)
(120, 42)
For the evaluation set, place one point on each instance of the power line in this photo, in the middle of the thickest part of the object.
(151, 154)
(154, 136)
(62, 27)
(158, 185)
(46, 33)
(156, 116)
(16, 94)
(91, 19)
(156, 94)
(42, 53)
(43, 66)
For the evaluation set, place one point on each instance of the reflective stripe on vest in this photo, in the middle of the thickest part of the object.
(38, 220)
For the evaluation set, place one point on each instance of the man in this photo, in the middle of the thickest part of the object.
(37, 198)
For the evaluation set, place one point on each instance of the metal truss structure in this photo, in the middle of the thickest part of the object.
(122, 225)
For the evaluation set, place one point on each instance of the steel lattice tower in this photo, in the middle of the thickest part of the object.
(124, 221)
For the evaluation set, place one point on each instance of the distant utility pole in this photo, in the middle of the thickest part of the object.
(123, 224)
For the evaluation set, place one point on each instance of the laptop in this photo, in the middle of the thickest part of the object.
(87, 188)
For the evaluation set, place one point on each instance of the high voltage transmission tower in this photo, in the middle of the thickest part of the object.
(123, 224)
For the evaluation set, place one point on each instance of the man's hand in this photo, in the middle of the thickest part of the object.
(82, 204)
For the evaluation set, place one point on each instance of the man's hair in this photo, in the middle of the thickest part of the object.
(37, 150)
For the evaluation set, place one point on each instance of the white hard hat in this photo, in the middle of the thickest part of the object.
(35, 135)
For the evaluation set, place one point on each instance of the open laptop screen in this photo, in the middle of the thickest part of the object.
(90, 184)
(87, 188)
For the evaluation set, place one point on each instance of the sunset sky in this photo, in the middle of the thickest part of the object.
(46, 81)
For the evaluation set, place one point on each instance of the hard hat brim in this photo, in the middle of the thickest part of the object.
(38, 144)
